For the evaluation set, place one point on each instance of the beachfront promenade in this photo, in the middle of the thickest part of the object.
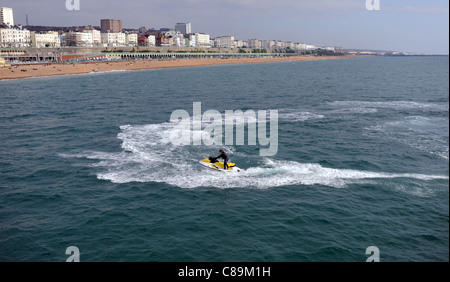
(18, 71)
(80, 54)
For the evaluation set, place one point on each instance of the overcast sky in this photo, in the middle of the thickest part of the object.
(400, 25)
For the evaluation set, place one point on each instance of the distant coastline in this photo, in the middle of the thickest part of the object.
(54, 69)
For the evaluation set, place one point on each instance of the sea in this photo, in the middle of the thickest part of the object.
(89, 170)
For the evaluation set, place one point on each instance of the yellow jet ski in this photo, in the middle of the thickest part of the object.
(213, 163)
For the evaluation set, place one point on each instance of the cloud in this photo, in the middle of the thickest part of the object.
(314, 21)
(301, 5)
(417, 6)
(427, 10)
(269, 8)
(255, 9)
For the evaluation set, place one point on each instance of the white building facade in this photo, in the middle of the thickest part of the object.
(14, 37)
(114, 39)
(6, 16)
(192, 40)
(202, 40)
(151, 40)
(78, 39)
(239, 43)
(131, 39)
(96, 36)
(47, 39)
(268, 44)
(225, 42)
(254, 43)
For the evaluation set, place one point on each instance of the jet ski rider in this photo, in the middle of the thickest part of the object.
(225, 159)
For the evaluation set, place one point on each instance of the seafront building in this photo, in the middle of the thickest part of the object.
(172, 38)
(254, 44)
(142, 30)
(183, 28)
(192, 41)
(78, 39)
(112, 35)
(114, 39)
(110, 25)
(178, 40)
(288, 45)
(96, 36)
(14, 36)
(147, 40)
(93, 43)
(268, 44)
(45, 39)
(239, 44)
(225, 42)
(6, 16)
(131, 39)
(202, 40)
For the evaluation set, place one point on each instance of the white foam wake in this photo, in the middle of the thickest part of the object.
(398, 105)
(149, 156)
(298, 116)
(422, 133)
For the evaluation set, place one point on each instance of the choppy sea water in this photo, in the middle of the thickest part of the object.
(87, 161)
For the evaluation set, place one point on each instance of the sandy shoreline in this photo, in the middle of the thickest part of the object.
(38, 70)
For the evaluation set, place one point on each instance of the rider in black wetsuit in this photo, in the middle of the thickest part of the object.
(225, 159)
